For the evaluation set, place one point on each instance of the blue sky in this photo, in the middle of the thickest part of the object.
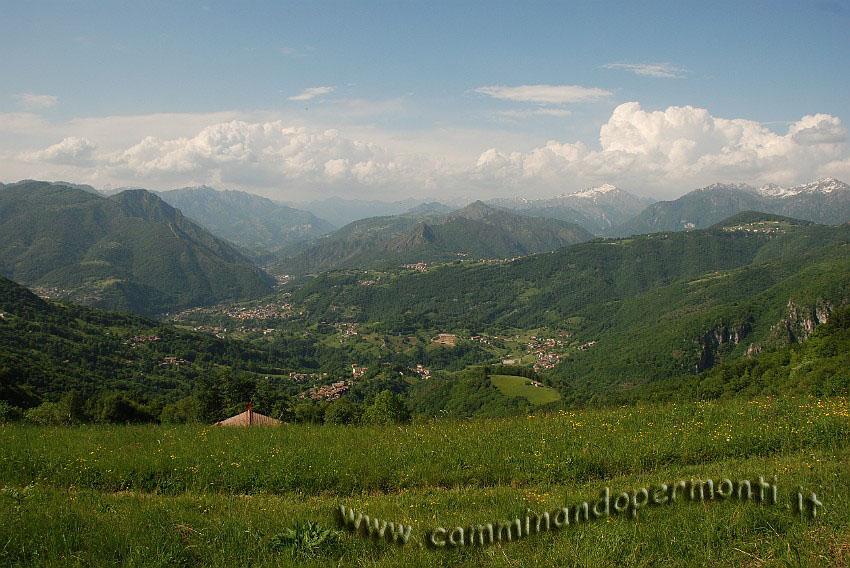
(377, 99)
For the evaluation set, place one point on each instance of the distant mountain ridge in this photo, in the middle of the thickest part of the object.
(597, 209)
(825, 201)
(477, 231)
(341, 212)
(82, 186)
(432, 207)
(251, 221)
(131, 251)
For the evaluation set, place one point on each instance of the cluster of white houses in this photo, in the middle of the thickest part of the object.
(423, 372)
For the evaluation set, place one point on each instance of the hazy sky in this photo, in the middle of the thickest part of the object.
(445, 99)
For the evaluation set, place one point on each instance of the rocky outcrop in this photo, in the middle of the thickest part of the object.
(801, 321)
(796, 327)
(715, 338)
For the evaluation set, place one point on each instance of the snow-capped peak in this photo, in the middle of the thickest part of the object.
(510, 201)
(774, 190)
(590, 192)
(823, 185)
(596, 191)
(738, 186)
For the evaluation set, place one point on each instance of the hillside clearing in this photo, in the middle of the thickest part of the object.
(520, 386)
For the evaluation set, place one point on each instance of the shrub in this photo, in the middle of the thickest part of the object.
(9, 413)
(307, 540)
(48, 414)
(343, 411)
(386, 408)
(183, 411)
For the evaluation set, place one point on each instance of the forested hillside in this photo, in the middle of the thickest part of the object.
(131, 251)
(256, 223)
(476, 231)
(545, 289)
(818, 366)
(49, 349)
(704, 313)
(654, 306)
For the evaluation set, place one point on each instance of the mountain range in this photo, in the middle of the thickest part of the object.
(256, 223)
(477, 231)
(825, 201)
(341, 212)
(645, 308)
(700, 313)
(131, 251)
(134, 250)
(597, 209)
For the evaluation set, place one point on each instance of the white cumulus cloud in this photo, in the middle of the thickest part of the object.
(311, 93)
(676, 147)
(659, 152)
(261, 153)
(818, 129)
(71, 151)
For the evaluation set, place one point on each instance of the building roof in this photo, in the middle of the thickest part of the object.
(249, 418)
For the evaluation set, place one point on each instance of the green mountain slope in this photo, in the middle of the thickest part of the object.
(475, 232)
(481, 232)
(541, 289)
(825, 201)
(695, 210)
(48, 349)
(131, 251)
(818, 366)
(655, 306)
(750, 217)
(82, 186)
(347, 244)
(693, 325)
(251, 221)
(559, 212)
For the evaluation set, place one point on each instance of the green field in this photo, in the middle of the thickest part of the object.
(520, 386)
(205, 496)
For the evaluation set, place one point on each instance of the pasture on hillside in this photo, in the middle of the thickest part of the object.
(520, 386)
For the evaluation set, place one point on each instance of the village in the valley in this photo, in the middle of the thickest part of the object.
(281, 316)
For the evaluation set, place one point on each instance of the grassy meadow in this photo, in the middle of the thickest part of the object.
(206, 496)
(520, 386)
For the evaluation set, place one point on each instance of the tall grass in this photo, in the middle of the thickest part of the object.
(204, 496)
(553, 448)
